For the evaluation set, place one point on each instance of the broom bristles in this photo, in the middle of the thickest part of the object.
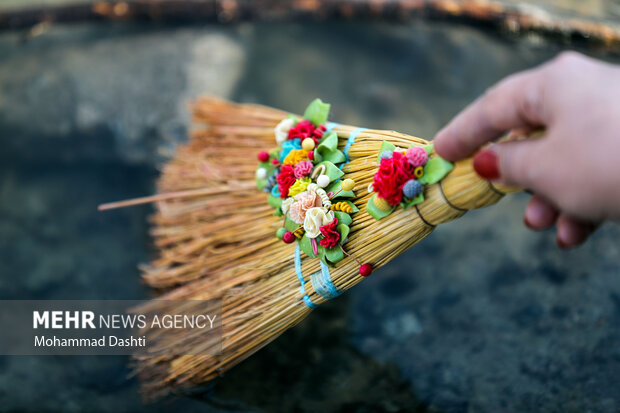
(217, 238)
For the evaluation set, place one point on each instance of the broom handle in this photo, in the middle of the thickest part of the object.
(460, 191)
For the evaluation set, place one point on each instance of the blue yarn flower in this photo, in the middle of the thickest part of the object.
(288, 146)
(412, 188)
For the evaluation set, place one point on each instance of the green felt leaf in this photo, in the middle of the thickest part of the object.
(343, 217)
(290, 225)
(335, 187)
(375, 212)
(305, 244)
(294, 117)
(334, 156)
(329, 142)
(317, 112)
(322, 252)
(328, 149)
(334, 255)
(331, 170)
(385, 146)
(260, 183)
(274, 201)
(278, 213)
(343, 230)
(434, 170)
(428, 148)
(406, 204)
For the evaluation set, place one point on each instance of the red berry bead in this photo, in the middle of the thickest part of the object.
(311, 155)
(263, 156)
(275, 161)
(365, 270)
(288, 237)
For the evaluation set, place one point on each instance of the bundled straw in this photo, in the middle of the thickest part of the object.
(215, 232)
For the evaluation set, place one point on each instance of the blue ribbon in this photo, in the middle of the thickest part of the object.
(302, 289)
(350, 141)
(322, 283)
(330, 125)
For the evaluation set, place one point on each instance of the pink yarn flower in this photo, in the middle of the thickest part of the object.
(303, 202)
(303, 168)
(417, 156)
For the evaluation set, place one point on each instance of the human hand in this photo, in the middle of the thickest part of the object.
(573, 171)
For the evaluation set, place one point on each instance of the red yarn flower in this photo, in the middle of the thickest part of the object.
(306, 129)
(392, 175)
(331, 236)
(286, 179)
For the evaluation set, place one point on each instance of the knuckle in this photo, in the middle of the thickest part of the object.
(530, 106)
(567, 58)
(568, 55)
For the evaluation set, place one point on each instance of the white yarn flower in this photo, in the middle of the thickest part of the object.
(282, 129)
(286, 204)
(316, 218)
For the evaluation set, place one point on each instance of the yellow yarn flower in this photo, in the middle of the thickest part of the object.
(299, 186)
(295, 156)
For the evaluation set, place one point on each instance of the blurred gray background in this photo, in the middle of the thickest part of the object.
(483, 315)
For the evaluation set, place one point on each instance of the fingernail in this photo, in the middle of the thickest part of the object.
(486, 164)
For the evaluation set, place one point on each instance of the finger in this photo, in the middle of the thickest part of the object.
(514, 103)
(539, 214)
(572, 232)
(516, 163)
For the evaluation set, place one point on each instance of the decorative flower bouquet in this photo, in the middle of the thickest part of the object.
(307, 187)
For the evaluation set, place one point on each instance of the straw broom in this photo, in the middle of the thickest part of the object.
(215, 233)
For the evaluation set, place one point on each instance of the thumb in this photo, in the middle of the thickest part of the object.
(516, 163)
